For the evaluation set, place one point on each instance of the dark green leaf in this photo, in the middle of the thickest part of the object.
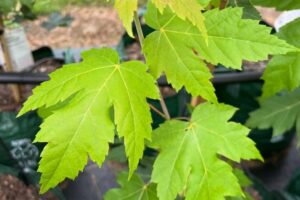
(278, 112)
(283, 71)
(278, 4)
(249, 10)
(134, 189)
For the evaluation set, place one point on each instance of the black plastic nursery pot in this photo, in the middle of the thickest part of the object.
(17, 134)
(19, 156)
(17, 152)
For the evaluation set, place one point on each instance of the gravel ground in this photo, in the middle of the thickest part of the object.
(12, 188)
(92, 27)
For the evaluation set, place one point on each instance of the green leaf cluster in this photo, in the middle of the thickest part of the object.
(282, 79)
(194, 156)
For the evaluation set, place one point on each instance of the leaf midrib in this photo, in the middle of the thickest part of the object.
(133, 116)
(288, 107)
(202, 161)
(217, 37)
(61, 84)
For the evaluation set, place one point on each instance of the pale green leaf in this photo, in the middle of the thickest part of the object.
(283, 71)
(250, 11)
(126, 9)
(185, 9)
(230, 38)
(278, 4)
(176, 60)
(171, 48)
(278, 112)
(189, 161)
(135, 189)
(84, 127)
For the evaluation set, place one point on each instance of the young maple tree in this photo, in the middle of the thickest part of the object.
(194, 156)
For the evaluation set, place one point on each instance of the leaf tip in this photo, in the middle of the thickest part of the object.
(130, 174)
(22, 112)
(43, 189)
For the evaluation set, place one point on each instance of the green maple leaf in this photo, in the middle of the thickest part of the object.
(278, 112)
(134, 189)
(84, 127)
(126, 9)
(171, 48)
(185, 9)
(230, 38)
(283, 71)
(278, 4)
(189, 161)
(250, 11)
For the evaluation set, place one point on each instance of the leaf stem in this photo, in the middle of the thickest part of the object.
(157, 111)
(139, 28)
(164, 107)
(141, 39)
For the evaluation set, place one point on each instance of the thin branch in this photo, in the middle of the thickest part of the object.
(141, 39)
(223, 4)
(157, 111)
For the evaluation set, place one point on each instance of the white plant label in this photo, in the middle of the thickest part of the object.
(19, 49)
